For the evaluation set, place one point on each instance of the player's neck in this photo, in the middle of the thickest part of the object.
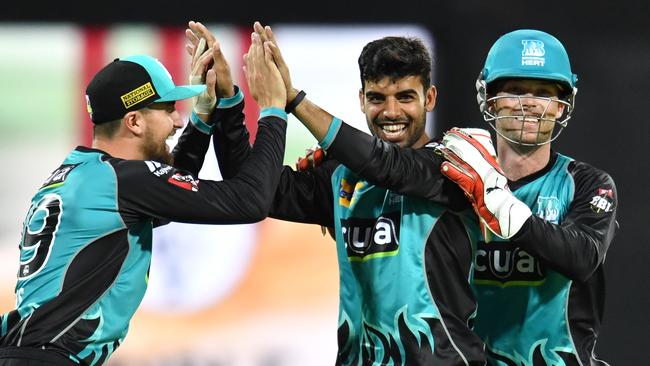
(520, 161)
(118, 148)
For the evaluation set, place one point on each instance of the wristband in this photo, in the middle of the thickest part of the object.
(294, 103)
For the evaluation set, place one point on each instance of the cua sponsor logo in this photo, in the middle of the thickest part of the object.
(371, 238)
(502, 263)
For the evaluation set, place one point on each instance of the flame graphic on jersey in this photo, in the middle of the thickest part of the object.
(536, 358)
(412, 344)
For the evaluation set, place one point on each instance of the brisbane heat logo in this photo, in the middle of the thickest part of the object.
(532, 53)
(504, 264)
(371, 238)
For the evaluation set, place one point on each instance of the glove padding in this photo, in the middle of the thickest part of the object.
(313, 158)
(472, 165)
(203, 103)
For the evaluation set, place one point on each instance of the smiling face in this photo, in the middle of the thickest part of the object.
(396, 109)
(526, 110)
(162, 122)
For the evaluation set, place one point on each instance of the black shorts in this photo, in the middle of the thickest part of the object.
(31, 356)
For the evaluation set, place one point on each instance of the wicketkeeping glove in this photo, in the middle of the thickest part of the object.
(203, 103)
(313, 158)
(471, 163)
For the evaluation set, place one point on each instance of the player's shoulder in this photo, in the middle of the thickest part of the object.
(134, 170)
(589, 179)
(583, 170)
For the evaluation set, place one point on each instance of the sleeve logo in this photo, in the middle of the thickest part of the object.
(603, 201)
(184, 181)
(157, 168)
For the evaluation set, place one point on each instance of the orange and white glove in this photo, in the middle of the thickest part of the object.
(313, 158)
(471, 163)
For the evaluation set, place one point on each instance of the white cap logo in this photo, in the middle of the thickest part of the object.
(532, 53)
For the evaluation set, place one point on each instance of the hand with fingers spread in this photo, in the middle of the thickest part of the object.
(209, 67)
(266, 35)
(264, 79)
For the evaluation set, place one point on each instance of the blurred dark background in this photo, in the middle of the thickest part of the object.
(609, 46)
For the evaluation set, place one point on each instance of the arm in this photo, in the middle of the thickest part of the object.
(306, 197)
(222, 98)
(579, 244)
(170, 194)
(407, 171)
(231, 139)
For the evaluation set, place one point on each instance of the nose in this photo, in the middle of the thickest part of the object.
(176, 120)
(392, 109)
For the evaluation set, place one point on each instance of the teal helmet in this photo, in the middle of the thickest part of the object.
(527, 54)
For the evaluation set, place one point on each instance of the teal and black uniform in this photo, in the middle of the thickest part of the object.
(86, 243)
(405, 263)
(541, 295)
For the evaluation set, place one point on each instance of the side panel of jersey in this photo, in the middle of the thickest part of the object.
(387, 313)
(522, 306)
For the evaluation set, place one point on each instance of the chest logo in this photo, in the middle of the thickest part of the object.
(548, 209)
(371, 238)
(503, 264)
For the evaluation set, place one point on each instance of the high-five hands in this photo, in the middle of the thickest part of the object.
(209, 66)
(264, 79)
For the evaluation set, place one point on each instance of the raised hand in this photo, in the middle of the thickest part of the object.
(267, 35)
(224, 81)
(264, 79)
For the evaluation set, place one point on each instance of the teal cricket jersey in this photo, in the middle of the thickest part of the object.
(87, 238)
(404, 282)
(540, 296)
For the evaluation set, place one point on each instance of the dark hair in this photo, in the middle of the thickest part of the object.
(395, 57)
(107, 129)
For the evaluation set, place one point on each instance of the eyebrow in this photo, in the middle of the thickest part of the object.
(399, 93)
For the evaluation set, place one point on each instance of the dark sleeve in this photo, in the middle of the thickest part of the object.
(306, 197)
(412, 172)
(151, 189)
(194, 142)
(231, 141)
(579, 244)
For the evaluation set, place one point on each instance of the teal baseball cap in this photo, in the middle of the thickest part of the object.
(529, 54)
(132, 83)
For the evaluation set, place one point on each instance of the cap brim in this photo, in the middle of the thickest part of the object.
(182, 92)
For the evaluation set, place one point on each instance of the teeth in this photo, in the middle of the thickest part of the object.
(393, 128)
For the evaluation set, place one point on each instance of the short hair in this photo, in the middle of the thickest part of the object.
(107, 129)
(396, 58)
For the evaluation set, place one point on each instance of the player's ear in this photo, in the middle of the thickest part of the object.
(430, 98)
(362, 101)
(134, 123)
(560, 109)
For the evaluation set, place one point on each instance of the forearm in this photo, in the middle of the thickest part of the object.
(313, 117)
(573, 250)
(231, 142)
(260, 172)
(305, 197)
(189, 152)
